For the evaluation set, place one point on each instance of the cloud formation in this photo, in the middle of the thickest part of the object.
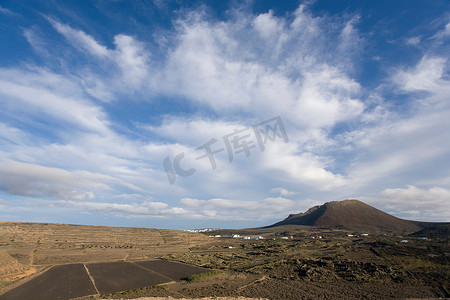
(143, 209)
(36, 181)
(422, 204)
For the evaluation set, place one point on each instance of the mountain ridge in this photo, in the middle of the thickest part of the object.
(352, 213)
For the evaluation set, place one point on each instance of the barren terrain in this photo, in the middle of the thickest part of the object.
(28, 249)
(291, 262)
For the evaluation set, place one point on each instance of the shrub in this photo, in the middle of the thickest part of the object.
(196, 277)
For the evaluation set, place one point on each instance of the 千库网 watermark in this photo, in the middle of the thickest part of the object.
(236, 142)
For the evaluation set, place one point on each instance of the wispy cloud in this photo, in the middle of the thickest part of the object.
(4, 202)
(80, 39)
(212, 63)
(6, 11)
(39, 93)
(413, 41)
(444, 33)
(427, 75)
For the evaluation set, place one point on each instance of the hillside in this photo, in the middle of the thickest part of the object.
(349, 214)
(441, 231)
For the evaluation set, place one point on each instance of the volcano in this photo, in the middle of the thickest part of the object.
(351, 214)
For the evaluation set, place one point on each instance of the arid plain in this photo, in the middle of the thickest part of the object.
(283, 262)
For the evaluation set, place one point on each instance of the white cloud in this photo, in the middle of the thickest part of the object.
(131, 197)
(194, 132)
(283, 192)
(417, 203)
(213, 64)
(280, 159)
(4, 202)
(39, 44)
(269, 27)
(304, 168)
(226, 209)
(427, 75)
(13, 135)
(403, 146)
(6, 11)
(132, 59)
(80, 39)
(442, 34)
(146, 208)
(398, 149)
(41, 93)
(36, 181)
(414, 41)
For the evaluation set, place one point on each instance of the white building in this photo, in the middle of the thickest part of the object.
(253, 238)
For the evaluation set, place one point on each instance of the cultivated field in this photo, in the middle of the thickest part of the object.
(59, 282)
(77, 280)
(29, 249)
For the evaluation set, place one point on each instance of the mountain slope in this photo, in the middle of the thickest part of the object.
(349, 213)
(441, 231)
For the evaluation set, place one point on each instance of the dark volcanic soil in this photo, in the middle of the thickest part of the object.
(173, 270)
(60, 282)
(122, 276)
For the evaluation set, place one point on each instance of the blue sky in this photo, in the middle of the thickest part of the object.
(108, 109)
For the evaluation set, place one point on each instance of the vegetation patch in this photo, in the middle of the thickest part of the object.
(197, 277)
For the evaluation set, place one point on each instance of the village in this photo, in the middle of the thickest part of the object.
(216, 233)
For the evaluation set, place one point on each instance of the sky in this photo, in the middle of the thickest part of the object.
(222, 114)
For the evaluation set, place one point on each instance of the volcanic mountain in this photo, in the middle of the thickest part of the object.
(351, 214)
